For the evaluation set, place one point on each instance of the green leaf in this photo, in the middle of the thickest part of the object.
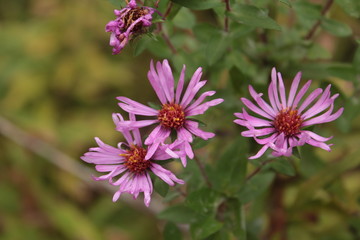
(307, 13)
(323, 70)
(230, 171)
(205, 228)
(352, 7)
(255, 186)
(216, 47)
(336, 28)
(202, 200)
(233, 216)
(184, 19)
(253, 16)
(198, 4)
(287, 2)
(161, 187)
(283, 166)
(172, 232)
(178, 214)
(316, 51)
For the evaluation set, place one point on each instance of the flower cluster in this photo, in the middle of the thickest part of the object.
(280, 125)
(131, 21)
(176, 109)
(131, 162)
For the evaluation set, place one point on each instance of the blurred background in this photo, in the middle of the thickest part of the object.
(58, 83)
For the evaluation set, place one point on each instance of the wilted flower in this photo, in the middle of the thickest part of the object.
(281, 124)
(176, 108)
(131, 20)
(127, 162)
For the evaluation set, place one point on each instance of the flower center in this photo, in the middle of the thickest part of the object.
(171, 116)
(135, 160)
(131, 16)
(288, 121)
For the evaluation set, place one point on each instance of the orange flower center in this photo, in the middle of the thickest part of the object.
(135, 160)
(171, 116)
(288, 121)
(131, 16)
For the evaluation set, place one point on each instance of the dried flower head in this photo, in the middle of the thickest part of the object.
(131, 21)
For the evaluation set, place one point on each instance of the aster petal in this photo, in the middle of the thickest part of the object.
(254, 121)
(267, 140)
(301, 93)
(136, 108)
(200, 100)
(258, 132)
(169, 79)
(203, 107)
(163, 81)
(184, 134)
(310, 99)
(155, 83)
(282, 91)
(116, 171)
(316, 137)
(186, 101)
(180, 85)
(117, 119)
(319, 144)
(262, 104)
(255, 109)
(135, 132)
(124, 178)
(293, 89)
(274, 89)
(260, 152)
(193, 127)
(155, 134)
(130, 125)
(326, 117)
(193, 82)
(165, 174)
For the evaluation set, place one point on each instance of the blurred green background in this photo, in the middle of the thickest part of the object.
(58, 83)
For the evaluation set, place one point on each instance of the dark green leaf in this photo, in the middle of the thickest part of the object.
(216, 47)
(178, 214)
(287, 2)
(283, 166)
(336, 28)
(253, 16)
(233, 215)
(352, 7)
(161, 187)
(205, 228)
(202, 200)
(172, 232)
(184, 19)
(198, 4)
(230, 171)
(255, 186)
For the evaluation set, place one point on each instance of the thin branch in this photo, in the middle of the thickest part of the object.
(68, 164)
(228, 9)
(318, 22)
(168, 10)
(203, 172)
(258, 169)
(166, 38)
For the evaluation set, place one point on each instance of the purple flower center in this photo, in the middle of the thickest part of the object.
(171, 116)
(135, 160)
(288, 121)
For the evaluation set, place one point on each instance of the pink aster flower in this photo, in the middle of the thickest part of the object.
(131, 20)
(127, 163)
(176, 109)
(281, 125)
